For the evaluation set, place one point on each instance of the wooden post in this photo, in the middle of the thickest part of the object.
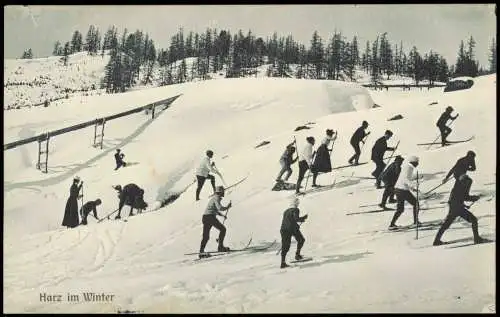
(47, 153)
(95, 131)
(102, 131)
(39, 154)
(153, 111)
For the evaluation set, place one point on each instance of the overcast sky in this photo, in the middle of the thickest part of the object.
(438, 27)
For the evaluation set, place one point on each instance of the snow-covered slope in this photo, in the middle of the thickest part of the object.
(357, 267)
(31, 82)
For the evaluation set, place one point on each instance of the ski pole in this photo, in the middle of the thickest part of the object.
(430, 191)
(225, 217)
(392, 154)
(418, 208)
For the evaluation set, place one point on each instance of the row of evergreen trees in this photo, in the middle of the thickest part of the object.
(240, 54)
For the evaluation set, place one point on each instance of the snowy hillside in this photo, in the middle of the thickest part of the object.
(31, 82)
(358, 266)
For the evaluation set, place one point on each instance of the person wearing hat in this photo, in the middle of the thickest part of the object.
(131, 195)
(322, 162)
(203, 172)
(209, 220)
(90, 206)
(305, 160)
(71, 219)
(357, 137)
(463, 164)
(459, 194)
(290, 228)
(119, 159)
(389, 176)
(286, 160)
(378, 151)
(441, 124)
(403, 189)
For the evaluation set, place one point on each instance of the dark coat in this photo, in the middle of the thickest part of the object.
(71, 219)
(358, 135)
(390, 175)
(460, 192)
(463, 165)
(322, 163)
(445, 116)
(290, 220)
(287, 157)
(379, 148)
(132, 195)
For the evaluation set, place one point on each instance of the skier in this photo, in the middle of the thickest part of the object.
(209, 220)
(70, 219)
(289, 229)
(119, 159)
(131, 195)
(464, 164)
(389, 176)
(90, 206)
(357, 137)
(458, 195)
(378, 151)
(203, 172)
(322, 162)
(286, 160)
(305, 160)
(441, 124)
(404, 186)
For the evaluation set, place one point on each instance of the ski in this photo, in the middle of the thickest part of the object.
(350, 165)
(223, 252)
(302, 260)
(369, 212)
(451, 142)
(283, 186)
(232, 185)
(317, 189)
(360, 177)
(471, 244)
(107, 216)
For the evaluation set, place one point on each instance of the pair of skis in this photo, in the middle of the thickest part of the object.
(247, 247)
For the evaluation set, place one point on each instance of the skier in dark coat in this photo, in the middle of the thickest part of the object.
(131, 195)
(322, 162)
(305, 161)
(378, 151)
(441, 124)
(357, 137)
(290, 228)
(210, 220)
(286, 160)
(90, 206)
(464, 164)
(119, 159)
(70, 219)
(458, 195)
(389, 176)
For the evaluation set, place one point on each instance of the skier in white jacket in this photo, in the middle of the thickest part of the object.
(203, 172)
(305, 160)
(403, 190)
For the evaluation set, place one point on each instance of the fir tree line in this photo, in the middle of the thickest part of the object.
(239, 55)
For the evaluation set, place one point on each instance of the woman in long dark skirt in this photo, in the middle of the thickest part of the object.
(322, 163)
(71, 219)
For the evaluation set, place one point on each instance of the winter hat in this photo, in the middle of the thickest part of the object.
(449, 108)
(98, 201)
(364, 124)
(310, 139)
(329, 132)
(413, 159)
(118, 187)
(294, 201)
(471, 154)
(210, 153)
(399, 158)
(388, 132)
(219, 190)
(76, 179)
